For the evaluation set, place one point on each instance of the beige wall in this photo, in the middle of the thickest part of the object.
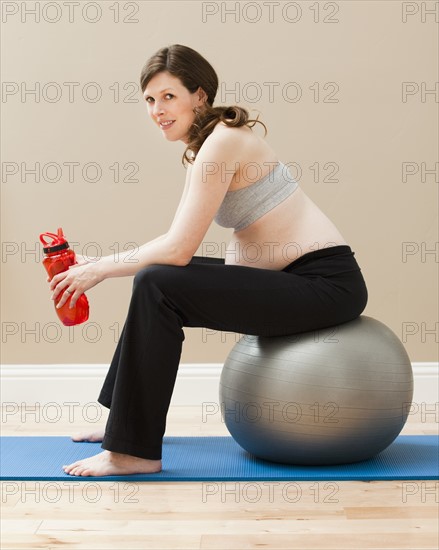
(350, 133)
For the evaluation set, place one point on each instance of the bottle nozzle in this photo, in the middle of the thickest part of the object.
(58, 241)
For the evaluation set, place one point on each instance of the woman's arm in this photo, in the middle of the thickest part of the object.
(88, 273)
(157, 251)
(81, 277)
(81, 260)
(203, 194)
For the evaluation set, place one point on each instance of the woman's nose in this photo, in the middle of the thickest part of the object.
(157, 109)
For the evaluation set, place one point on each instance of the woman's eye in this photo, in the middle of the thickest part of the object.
(149, 97)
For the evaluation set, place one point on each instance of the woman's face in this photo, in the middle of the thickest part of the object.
(168, 100)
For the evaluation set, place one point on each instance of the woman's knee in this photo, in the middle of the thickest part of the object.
(152, 274)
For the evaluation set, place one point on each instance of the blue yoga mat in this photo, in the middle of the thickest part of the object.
(215, 459)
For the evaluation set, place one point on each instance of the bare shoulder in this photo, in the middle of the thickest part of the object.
(226, 141)
(232, 148)
(221, 143)
(247, 148)
(223, 133)
(241, 132)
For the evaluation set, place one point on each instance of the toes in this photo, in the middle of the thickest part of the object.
(78, 437)
(74, 471)
(92, 438)
(86, 467)
(85, 471)
(70, 469)
(70, 466)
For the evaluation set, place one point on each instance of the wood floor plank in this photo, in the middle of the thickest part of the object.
(96, 541)
(393, 512)
(211, 525)
(25, 526)
(366, 541)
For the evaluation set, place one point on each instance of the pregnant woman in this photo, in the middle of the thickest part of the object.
(287, 269)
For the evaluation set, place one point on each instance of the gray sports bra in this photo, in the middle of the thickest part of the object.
(241, 207)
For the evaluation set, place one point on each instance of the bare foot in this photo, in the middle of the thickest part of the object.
(109, 463)
(94, 437)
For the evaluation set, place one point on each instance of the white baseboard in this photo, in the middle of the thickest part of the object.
(196, 384)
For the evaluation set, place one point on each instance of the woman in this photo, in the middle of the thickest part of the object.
(287, 268)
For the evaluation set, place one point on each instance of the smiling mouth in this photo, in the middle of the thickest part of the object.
(167, 124)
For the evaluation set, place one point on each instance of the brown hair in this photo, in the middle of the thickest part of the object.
(194, 71)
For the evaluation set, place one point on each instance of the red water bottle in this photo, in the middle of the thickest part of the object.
(58, 257)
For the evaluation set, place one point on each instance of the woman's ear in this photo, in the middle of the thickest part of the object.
(202, 96)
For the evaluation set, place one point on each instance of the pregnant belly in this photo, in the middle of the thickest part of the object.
(293, 228)
(263, 254)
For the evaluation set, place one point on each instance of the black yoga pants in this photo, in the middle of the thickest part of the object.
(320, 289)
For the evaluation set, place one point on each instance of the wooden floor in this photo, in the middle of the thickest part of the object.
(337, 515)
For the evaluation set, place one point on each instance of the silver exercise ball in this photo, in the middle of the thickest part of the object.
(331, 396)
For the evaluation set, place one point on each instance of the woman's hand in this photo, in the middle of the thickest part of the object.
(75, 281)
(81, 260)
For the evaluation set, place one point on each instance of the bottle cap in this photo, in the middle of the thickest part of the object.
(58, 241)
